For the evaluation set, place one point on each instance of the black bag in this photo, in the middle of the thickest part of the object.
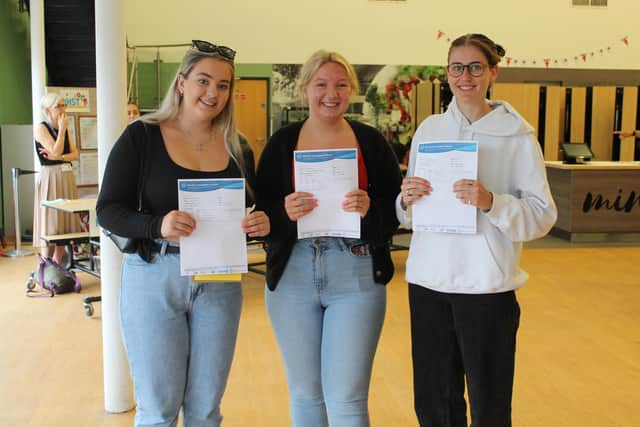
(130, 245)
(127, 245)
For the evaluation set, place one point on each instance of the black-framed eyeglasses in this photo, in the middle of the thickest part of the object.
(456, 69)
(206, 47)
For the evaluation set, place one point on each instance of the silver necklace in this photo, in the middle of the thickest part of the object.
(200, 145)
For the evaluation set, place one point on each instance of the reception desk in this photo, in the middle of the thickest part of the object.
(597, 201)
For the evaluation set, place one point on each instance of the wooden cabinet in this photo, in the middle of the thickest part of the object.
(596, 201)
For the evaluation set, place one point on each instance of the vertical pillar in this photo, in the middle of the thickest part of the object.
(38, 66)
(111, 94)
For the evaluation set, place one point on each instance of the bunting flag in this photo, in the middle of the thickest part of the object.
(441, 35)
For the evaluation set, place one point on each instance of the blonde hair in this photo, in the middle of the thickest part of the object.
(317, 60)
(170, 105)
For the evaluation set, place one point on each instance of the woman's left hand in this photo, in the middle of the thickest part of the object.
(472, 192)
(357, 201)
(256, 224)
(47, 154)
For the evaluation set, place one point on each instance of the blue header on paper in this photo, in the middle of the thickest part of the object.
(443, 147)
(211, 185)
(317, 156)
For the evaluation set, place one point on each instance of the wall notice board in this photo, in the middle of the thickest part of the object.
(86, 167)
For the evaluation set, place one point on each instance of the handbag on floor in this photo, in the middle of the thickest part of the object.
(51, 279)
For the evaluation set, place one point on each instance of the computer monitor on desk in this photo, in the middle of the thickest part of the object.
(576, 153)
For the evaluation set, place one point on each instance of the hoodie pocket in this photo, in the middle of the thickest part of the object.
(455, 263)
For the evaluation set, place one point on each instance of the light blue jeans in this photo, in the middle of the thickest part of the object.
(180, 336)
(327, 314)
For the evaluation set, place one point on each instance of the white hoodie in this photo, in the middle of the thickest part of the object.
(511, 166)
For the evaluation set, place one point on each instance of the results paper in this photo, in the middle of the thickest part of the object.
(443, 163)
(217, 245)
(329, 175)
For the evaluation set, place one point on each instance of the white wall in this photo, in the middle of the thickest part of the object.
(17, 152)
(391, 32)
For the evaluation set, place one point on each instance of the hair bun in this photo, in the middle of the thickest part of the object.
(500, 50)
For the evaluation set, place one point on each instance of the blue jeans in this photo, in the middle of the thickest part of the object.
(327, 314)
(180, 336)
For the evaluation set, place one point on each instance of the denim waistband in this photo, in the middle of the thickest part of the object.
(163, 247)
(345, 243)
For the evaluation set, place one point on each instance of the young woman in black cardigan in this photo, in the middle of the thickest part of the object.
(325, 295)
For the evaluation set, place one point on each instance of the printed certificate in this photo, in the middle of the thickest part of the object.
(217, 245)
(329, 175)
(443, 163)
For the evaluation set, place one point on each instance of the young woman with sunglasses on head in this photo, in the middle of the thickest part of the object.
(325, 295)
(464, 312)
(56, 150)
(179, 334)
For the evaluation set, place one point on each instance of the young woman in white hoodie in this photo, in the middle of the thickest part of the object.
(464, 312)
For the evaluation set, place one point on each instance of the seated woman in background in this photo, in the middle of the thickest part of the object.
(56, 149)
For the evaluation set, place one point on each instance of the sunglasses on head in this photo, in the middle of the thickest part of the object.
(206, 47)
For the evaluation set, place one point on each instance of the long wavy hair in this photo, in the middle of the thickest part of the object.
(170, 106)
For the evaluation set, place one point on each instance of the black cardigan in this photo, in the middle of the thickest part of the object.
(274, 182)
(117, 201)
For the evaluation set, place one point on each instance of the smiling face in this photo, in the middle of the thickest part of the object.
(467, 88)
(328, 91)
(206, 89)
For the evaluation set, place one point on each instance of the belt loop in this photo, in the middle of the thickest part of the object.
(163, 248)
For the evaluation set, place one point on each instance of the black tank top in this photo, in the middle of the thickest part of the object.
(54, 133)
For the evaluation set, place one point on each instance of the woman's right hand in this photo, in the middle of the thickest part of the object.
(63, 122)
(299, 204)
(176, 224)
(414, 188)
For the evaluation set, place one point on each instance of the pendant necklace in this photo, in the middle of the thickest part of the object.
(200, 146)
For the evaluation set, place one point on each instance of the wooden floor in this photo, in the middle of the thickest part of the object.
(578, 360)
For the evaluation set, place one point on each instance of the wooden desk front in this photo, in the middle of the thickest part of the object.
(596, 197)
